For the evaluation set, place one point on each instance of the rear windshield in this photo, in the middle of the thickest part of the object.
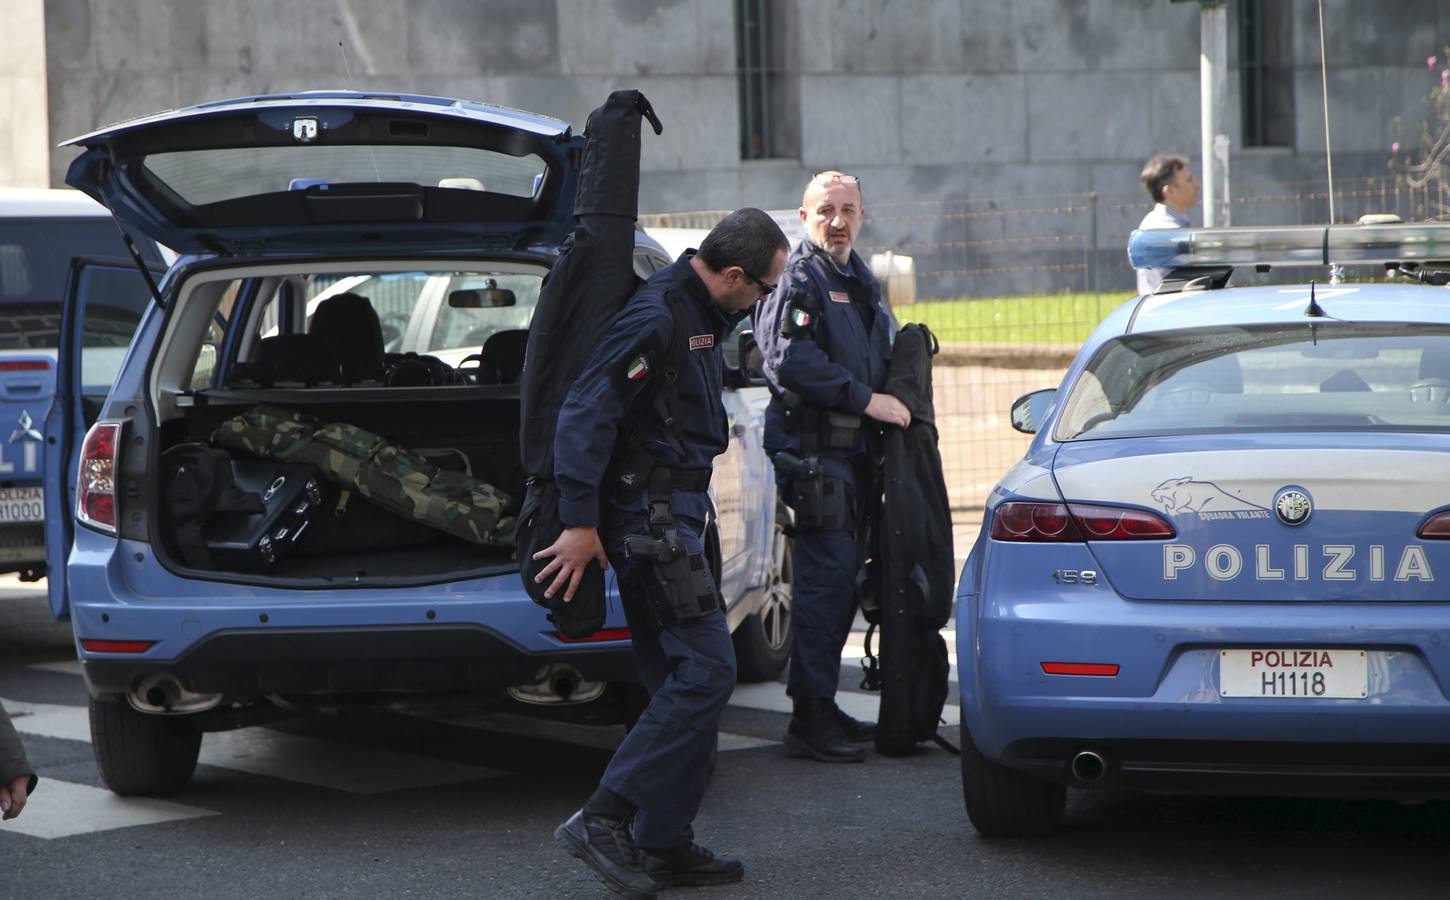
(209, 176)
(35, 258)
(470, 324)
(1335, 376)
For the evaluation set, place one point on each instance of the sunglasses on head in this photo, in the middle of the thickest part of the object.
(830, 178)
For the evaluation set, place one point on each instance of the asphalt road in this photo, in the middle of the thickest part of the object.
(458, 804)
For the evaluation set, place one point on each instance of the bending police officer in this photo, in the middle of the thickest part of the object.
(635, 442)
(826, 335)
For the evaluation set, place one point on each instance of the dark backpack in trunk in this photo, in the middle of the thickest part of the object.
(583, 292)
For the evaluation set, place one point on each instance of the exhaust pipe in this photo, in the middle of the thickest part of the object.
(1088, 766)
(565, 681)
(161, 693)
(557, 683)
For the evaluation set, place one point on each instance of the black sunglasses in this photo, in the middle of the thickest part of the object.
(764, 287)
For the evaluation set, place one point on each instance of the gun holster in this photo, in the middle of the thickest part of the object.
(677, 583)
(819, 500)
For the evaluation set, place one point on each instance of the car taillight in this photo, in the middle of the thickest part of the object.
(1436, 528)
(1026, 521)
(96, 482)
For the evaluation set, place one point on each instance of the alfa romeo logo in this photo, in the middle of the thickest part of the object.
(1293, 506)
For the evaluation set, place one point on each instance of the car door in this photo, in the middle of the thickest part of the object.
(104, 303)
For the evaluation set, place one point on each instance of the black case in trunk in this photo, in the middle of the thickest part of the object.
(291, 494)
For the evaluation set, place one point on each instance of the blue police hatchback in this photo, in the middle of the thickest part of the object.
(443, 217)
(1222, 565)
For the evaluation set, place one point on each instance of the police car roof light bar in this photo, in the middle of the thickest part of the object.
(1296, 245)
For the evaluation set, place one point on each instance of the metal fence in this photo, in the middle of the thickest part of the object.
(1012, 286)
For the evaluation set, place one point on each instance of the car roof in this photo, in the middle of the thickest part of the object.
(47, 203)
(1286, 303)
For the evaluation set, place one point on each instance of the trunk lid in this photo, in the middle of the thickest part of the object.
(337, 170)
(1305, 517)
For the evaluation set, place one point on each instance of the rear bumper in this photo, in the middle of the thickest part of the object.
(217, 637)
(1285, 769)
(356, 660)
(1162, 721)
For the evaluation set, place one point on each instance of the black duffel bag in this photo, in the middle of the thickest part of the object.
(539, 526)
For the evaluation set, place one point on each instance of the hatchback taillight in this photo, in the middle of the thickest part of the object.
(1026, 521)
(96, 483)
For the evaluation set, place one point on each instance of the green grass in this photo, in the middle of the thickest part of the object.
(1025, 319)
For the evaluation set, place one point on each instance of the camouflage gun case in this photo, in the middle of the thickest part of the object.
(390, 476)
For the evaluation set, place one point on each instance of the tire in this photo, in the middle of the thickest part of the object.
(1003, 802)
(142, 754)
(762, 642)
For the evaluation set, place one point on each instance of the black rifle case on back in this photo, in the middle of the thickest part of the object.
(583, 292)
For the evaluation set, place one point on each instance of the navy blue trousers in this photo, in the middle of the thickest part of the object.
(689, 671)
(823, 592)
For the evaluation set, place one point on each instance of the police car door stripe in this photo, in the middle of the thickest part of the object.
(62, 809)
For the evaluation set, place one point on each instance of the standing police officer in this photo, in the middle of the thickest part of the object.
(633, 452)
(826, 336)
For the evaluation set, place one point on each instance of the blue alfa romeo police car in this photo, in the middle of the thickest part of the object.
(435, 221)
(1223, 564)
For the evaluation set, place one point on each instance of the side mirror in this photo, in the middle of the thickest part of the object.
(744, 363)
(489, 297)
(1031, 410)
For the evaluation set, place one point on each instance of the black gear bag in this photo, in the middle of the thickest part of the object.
(583, 292)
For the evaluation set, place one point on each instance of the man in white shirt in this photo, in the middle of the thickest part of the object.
(1174, 191)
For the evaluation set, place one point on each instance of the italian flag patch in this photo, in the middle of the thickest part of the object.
(800, 317)
(638, 368)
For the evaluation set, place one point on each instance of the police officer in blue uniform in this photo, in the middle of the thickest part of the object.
(826, 337)
(635, 442)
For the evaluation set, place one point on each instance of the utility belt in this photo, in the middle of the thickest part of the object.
(815, 427)
(676, 583)
(819, 500)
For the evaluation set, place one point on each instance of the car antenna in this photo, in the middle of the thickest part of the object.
(372, 153)
(1315, 311)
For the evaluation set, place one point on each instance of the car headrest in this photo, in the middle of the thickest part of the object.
(504, 351)
(349, 327)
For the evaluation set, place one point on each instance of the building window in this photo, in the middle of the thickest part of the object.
(1266, 72)
(753, 54)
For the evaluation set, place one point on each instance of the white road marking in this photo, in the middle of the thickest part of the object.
(64, 666)
(262, 751)
(771, 697)
(600, 738)
(68, 723)
(329, 764)
(62, 809)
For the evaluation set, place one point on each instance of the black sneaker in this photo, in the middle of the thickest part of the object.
(691, 865)
(607, 847)
(856, 731)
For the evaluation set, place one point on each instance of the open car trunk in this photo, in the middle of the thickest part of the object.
(343, 538)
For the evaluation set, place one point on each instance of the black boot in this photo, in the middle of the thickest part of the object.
(607, 847)
(814, 733)
(856, 731)
(690, 864)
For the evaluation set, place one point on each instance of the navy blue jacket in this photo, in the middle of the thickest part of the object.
(610, 400)
(840, 357)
